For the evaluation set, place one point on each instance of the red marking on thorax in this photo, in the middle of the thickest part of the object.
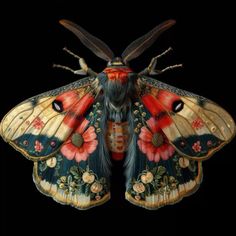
(117, 139)
(120, 74)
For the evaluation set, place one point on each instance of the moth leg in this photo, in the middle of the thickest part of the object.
(153, 63)
(84, 67)
(76, 72)
(150, 70)
(157, 72)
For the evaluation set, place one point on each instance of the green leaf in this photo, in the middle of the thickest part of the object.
(42, 166)
(161, 170)
(165, 179)
(59, 158)
(161, 191)
(74, 169)
(77, 177)
(81, 171)
(80, 182)
(157, 177)
(132, 192)
(87, 190)
(76, 192)
(102, 180)
(154, 170)
(80, 190)
(154, 184)
(74, 173)
(69, 179)
(148, 190)
(192, 167)
(72, 190)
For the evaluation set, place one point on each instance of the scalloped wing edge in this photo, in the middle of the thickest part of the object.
(157, 201)
(80, 202)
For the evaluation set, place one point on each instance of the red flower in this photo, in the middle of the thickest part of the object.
(198, 123)
(38, 123)
(153, 142)
(38, 147)
(81, 143)
(197, 147)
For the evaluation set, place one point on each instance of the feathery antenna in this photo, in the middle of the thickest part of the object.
(97, 46)
(138, 46)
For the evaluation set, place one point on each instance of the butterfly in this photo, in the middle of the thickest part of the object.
(74, 134)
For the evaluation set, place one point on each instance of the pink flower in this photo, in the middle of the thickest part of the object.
(81, 143)
(38, 147)
(209, 143)
(198, 123)
(197, 147)
(52, 143)
(153, 142)
(38, 123)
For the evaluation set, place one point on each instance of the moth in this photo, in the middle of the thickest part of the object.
(74, 134)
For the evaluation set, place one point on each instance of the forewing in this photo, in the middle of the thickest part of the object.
(38, 126)
(195, 126)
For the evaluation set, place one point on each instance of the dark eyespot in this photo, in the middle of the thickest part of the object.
(57, 106)
(177, 106)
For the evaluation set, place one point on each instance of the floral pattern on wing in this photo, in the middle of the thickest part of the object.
(153, 181)
(153, 142)
(197, 147)
(81, 143)
(83, 181)
(198, 123)
(38, 146)
(38, 123)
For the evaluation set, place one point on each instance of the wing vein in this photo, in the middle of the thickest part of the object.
(212, 120)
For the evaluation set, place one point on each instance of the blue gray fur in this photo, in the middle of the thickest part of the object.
(131, 152)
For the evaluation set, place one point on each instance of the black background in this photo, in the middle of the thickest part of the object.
(32, 42)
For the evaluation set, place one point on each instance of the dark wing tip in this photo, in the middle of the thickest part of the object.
(64, 22)
(68, 24)
(170, 22)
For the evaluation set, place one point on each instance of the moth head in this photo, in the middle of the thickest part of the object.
(116, 61)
